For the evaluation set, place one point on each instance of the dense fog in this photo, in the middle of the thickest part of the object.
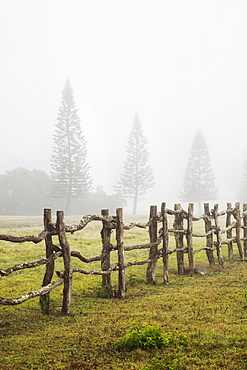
(181, 65)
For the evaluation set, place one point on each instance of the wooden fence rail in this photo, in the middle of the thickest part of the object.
(182, 229)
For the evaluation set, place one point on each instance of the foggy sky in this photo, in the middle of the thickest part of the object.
(181, 65)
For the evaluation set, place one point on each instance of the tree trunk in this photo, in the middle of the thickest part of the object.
(45, 299)
(151, 269)
(120, 248)
(165, 243)
(178, 225)
(106, 242)
(135, 202)
(67, 290)
(209, 237)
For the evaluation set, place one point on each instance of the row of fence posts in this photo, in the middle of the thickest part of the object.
(178, 230)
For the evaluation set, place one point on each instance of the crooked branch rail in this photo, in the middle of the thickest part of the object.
(213, 236)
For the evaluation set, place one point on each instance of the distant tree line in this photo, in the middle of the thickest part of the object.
(26, 192)
(23, 192)
(69, 185)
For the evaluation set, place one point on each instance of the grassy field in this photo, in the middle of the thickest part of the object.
(206, 315)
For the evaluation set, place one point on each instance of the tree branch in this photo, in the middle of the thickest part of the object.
(32, 294)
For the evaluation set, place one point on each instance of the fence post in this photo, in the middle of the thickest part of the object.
(229, 232)
(67, 263)
(245, 228)
(106, 241)
(120, 248)
(238, 229)
(45, 298)
(150, 273)
(165, 243)
(178, 225)
(209, 237)
(189, 238)
(218, 235)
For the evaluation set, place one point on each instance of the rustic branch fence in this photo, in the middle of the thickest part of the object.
(213, 237)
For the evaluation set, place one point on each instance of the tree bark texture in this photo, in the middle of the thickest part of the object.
(215, 212)
(151, 268)
(165, 243)
(189, 238)
(229, 231)
(106, 249)
(67, 291)
(178, 225)
(238, 230)
(45, 298)
(120, 245)
(209, 236)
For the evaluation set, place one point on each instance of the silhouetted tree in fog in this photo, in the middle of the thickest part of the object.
(70, 170)
(199, 180)
(137, 177)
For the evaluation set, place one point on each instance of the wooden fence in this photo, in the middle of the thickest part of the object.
(182, 230)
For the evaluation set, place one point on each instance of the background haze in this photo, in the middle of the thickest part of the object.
(181, 65)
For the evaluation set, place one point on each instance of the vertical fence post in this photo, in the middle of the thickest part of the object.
(178, 225)
(238, 230)
(106, 241)
(120, 248)
(209, 235)
(165, 243)
(189, 238)
(215, 212)
(45, 298)
(151, 269)
(229, 232)
(67, 290)
(245, 228)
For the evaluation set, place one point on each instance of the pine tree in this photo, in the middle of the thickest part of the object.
(199, 179)
(70, 171)
(137, 177)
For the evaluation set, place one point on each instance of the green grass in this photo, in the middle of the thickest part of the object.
(210, 311)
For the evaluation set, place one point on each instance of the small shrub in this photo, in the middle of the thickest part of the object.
(102, 291)
(144, 336)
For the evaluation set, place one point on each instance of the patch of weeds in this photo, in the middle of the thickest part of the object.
(144, 336)
(102, 291)
(133, 280)
(168, 365)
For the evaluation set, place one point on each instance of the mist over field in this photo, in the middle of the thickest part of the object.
(180, 65)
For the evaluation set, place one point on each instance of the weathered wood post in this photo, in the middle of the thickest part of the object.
(238, 230)
(67, 290)
(45, 298)
(209, 234)
(120, 249)
(106, 243)
(245, 228)
(218, 243)
(151, 268)
(229, 231)
(179, 234)
(165, 243)
(189, 238)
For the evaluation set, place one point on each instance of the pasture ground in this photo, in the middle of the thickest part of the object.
(210, 310)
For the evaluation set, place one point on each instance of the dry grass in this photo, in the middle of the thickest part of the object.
(210, 310)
